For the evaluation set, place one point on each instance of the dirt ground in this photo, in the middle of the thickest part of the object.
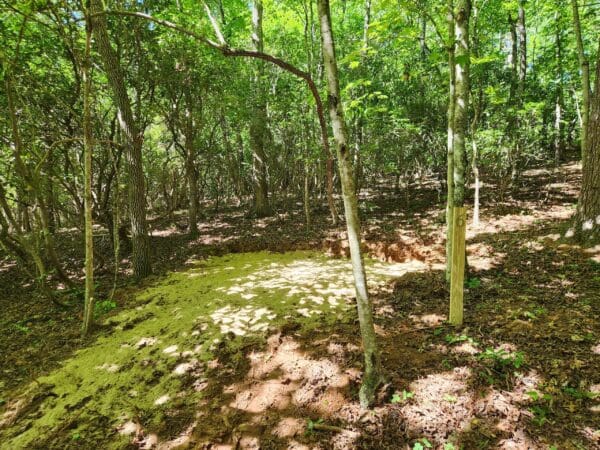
(524, 372)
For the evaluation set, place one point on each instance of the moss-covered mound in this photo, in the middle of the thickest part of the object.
(152, 365)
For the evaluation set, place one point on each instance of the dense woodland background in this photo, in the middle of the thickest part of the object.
(141, 135)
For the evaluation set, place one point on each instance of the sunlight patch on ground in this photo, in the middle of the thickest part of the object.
(163, 346)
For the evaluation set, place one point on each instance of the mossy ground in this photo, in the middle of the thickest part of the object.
(151, 363)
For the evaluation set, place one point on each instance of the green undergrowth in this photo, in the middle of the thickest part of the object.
(152, 363)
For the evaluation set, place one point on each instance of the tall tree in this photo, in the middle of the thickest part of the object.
(450, 130)
(258, 125)
(88, 145)
(584, 67)
(372, 376)
(588, 207)
(142, 266)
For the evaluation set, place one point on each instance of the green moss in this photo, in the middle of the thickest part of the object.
(142, 369)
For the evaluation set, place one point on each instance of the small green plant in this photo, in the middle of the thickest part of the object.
(454, 338)
(540, 414)
(541, 408)
(449, 446)
(503, 359)
(422, 444)
(310, 425)
(450, 398)
(473, 283)
(579, 394)
(401, 397)
(104, 307)
(21, 328)
(75, 436)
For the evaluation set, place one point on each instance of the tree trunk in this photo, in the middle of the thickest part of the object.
(372, 376)
(450, 148)
(461, 20)
(558, 107)
(136, 191)
(88, 144)
(258, 124)
(584, 66)
(478, 106)
(190, 165)
(588, 208)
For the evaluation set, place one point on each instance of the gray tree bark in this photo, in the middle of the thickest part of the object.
(258, 125)
(136, 191)
(372, 375)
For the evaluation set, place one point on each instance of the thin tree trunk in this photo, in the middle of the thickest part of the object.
(474, 124)
(88, 145)
(450, 148)
(136, 191)
(372, 375)
(558, 132)
(461, 20)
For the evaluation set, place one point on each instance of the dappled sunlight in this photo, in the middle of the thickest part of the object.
(594, 253)
(165, 344)
(442, 404)
(283, 376)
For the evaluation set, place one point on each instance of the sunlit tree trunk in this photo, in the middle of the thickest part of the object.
(372, 375)
(258, 126)
(461, 20)
(588, 208)
(136, 190)
(88, 145)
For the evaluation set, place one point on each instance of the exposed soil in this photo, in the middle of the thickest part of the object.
(523, 373)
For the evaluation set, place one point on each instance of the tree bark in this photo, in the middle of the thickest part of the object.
(584, 66)
(258, 131)
(372, 375)
(88, 145)
(450, 148)
(461, 20)
(136, 191)
(588, 208)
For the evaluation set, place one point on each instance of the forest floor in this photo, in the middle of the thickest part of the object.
(246, 337)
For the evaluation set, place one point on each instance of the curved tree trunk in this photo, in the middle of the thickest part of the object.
(372, 376)
(136, 191)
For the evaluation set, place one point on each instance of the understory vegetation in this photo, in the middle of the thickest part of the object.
(300, 224)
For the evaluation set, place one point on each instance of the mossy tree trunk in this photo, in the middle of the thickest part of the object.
(372, 375)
